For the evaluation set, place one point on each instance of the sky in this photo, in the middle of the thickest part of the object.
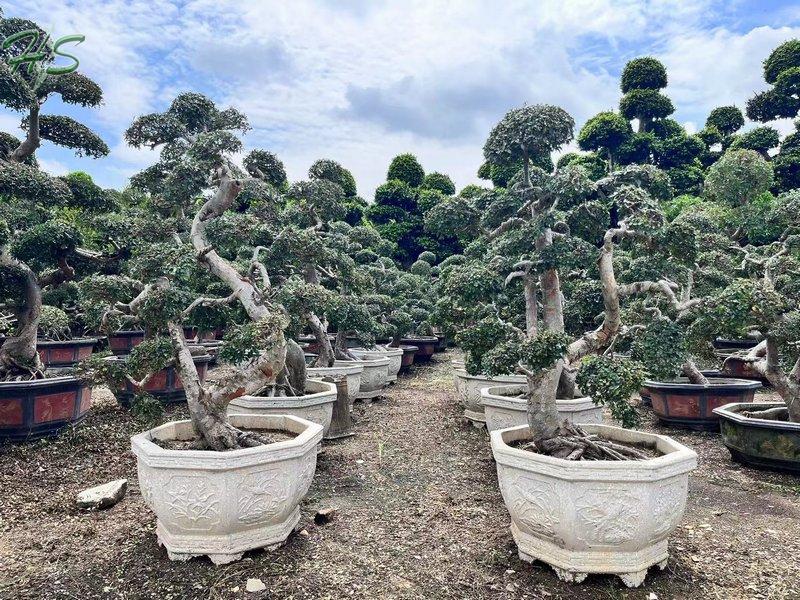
(361, 81)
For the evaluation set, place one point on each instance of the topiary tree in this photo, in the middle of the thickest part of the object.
(642, 78)
(406, 168)
(594, 164)
(727, 120)
(511, 291)
(782, 71)
(439, 182)
(38, 245)
(332, 171)
(738, 177)
(760, 139)
(605, 133)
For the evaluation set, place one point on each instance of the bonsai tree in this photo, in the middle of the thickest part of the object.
(605, 133)
(642, 78)
(553, 227)
(197, 140)
(659, 140)
(763, 296)
(315, 259)
(38, 245)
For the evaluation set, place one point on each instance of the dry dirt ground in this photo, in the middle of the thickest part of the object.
(419, 515)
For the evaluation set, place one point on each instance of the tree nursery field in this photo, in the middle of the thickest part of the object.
(577, 376)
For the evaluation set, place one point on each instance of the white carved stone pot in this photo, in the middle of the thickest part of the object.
(221, 504)
(395, 356)
(374, 377)
(351, 370)
(315, 405)
(503, 410)
(584, 517)
(469, 388)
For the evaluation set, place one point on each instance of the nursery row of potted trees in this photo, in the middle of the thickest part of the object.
(196, 245)
(577, 292)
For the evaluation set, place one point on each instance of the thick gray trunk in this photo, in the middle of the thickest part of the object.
(543, 418)
(32, 140)
(690, 370)
(18, 355)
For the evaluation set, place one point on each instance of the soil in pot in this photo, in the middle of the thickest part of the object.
(273, 437)
(576, 444)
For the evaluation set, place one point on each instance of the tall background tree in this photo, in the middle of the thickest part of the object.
(781, 101)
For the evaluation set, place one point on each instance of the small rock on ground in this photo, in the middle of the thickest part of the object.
(103, 496)
(324, 516)
(255, 585)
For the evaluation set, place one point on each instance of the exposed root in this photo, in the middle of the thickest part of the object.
(572, 443)
(276, 390)
(227, 437)
(234, 439)
(779, 413)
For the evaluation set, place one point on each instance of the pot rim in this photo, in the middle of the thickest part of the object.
(728, 383)
(675, 460)
(425, 339)
(368, 362)
(510, 379)
(40, 383)
(727, 412)
(325, 396)
(309, 434)
(81, 341)
(197, 358)
(351, 369)
(503, 401)
(387, 351)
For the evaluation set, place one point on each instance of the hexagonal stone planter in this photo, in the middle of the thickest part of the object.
(374, 378)
(503, 410)
(760, 443)
(584, 517)
(691, 406)
(349, 369)
(31, 410)
(395, 356)
(315, 405)
(221, 504)
(468, 388)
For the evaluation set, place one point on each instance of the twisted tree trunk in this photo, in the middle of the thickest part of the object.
(325, 354)
(787, 385)
(208, 404)
(18, 355)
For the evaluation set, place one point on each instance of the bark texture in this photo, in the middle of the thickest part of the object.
(18, 355)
